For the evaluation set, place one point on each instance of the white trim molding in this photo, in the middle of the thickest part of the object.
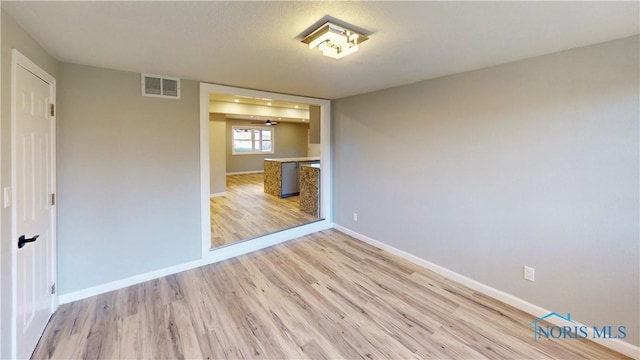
(326, 196)
(248, 246)
(620, 346)
(214, 195)
(123, 283)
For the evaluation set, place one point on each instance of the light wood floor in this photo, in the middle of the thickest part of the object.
(324, 296)
(246, 211)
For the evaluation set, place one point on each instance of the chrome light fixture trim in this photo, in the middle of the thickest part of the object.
(334, 41)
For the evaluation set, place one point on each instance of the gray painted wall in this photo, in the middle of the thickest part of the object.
(314, 124)
(290, 141)
(217, 154)
(12, 37)
(128, 177)
(533, 162)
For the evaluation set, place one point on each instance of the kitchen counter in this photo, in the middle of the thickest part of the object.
(295, 159)
(282, 176)
(310, 189)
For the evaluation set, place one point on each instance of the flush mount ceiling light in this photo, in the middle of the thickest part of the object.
(334, 41)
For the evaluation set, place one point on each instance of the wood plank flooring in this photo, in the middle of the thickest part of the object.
(323, 296)
(246, 211)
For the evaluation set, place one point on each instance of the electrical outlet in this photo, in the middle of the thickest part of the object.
(6, 197)
(355, 216)
(529, 273)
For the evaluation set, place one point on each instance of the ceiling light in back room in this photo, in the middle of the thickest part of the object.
(334, 41)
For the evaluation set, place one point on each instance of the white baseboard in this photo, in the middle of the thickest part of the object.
(218, 194)
(245, 172)
(245, 247)
(122, 283)
(216, 255)
(535, 310)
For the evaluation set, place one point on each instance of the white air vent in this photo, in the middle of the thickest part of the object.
(160, 86)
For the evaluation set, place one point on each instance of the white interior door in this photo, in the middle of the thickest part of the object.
(34, 274)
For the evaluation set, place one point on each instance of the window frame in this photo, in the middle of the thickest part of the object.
(253, 152)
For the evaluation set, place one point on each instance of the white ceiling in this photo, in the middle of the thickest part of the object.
(257, 44)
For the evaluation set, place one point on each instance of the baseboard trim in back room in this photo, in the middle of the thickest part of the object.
(620, 346)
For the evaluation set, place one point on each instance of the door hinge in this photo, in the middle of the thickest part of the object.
(53, 199)
(53, 289)
(53, 111)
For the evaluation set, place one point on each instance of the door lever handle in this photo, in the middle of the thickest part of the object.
(22, 240)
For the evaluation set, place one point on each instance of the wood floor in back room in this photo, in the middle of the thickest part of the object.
(246, 211)
(323, 296)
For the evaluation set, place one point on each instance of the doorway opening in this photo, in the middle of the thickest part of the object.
(262, 153)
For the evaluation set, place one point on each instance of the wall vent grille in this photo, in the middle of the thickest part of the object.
(160, 86)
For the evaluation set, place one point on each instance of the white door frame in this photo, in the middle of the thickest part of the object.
(326, 193)
(17, 59)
